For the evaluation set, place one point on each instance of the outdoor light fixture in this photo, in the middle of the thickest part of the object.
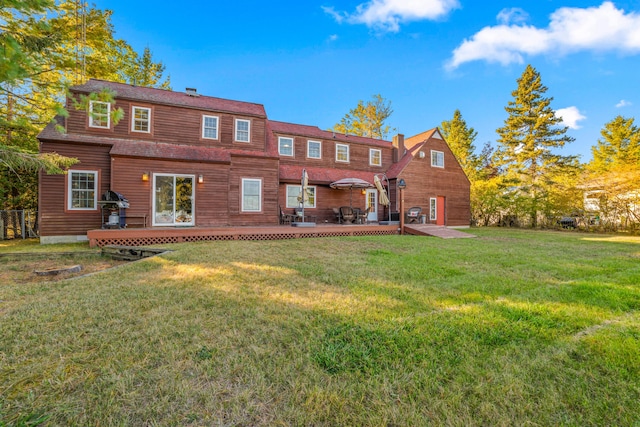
(401, 184)
(200, 179)
(145, 176)
(363, 191)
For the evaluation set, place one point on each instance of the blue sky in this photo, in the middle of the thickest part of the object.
(311, 61)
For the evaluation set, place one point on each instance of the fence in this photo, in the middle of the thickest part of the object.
(18, 224)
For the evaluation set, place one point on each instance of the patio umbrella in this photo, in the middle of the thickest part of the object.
(304, 195)
(384, 199)
(350, 184)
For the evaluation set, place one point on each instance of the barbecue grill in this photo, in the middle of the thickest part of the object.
(113, 206)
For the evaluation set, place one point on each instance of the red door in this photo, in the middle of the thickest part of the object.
(440, 211)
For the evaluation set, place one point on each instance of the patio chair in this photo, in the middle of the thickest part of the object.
(347, 214)
(336, 213)
(413, 214)
(363, 216)
(285, 218)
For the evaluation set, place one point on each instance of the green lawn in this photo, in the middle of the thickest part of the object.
(511, 328)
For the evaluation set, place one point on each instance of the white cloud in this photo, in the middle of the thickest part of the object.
(570, 30)
(513, 15)
(623, 103)
(386, 15)
(570, 116)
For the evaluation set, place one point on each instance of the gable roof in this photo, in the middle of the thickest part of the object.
(412, 145)
(168, 97)
(292, 129)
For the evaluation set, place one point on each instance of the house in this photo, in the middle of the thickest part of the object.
(186, 160)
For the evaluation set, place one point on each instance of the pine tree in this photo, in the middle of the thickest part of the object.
(619, 146)
(460, 138)
(527, 141)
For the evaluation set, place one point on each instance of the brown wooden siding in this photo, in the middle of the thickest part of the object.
(258, 168)
(210, 196)
(327, 198)
(425, 182)
(173, 125)
(358, 155)
(54, 221)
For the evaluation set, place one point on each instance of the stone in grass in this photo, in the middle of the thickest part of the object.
(55, 271)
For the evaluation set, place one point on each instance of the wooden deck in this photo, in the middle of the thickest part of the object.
(165, 235)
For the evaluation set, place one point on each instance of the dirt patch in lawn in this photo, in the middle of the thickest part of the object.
(21, 268)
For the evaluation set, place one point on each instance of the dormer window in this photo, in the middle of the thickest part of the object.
(243, 130)
(342, 153)
(99, 114)
(210, 127)
(141, 119)
(285, 146)
(375, 157)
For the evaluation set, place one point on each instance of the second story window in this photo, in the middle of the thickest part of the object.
(141, 119)
(314, 149)
(210, 127)
(243, 130)
(285, 146)
(342, 153)
(375, 157)
(99, 114)
(437, 159)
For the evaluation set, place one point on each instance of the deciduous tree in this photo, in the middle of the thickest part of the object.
(367, 119)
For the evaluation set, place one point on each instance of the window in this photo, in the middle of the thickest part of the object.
(375, 157)
(314, 149)
(293, 196)
(82, 190)
(99, 114)
(141, 119)
(251, 195)
(243, 128)
(173, 199)
(437, 159)
(210, 127)
(433, 204)
(285, 146)
(342, 153)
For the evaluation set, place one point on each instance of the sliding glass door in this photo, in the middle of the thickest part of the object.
(173, 199)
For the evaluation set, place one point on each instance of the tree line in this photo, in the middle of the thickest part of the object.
(47, 46)
(523, 180)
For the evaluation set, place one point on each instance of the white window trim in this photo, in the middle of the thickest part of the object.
(133, 119)
(280, 139)
(435, 165)
(70, 173)
(243, 209)
(297, 187)
(320, 150)
(433, 209)
(347, 147)
(204, 117)
(91, 115)
(235, 137)
(371, 151)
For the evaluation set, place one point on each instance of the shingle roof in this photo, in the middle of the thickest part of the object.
(315, 132)
(319, 175)
(153, 150)
(167, 97)
(412, 145)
